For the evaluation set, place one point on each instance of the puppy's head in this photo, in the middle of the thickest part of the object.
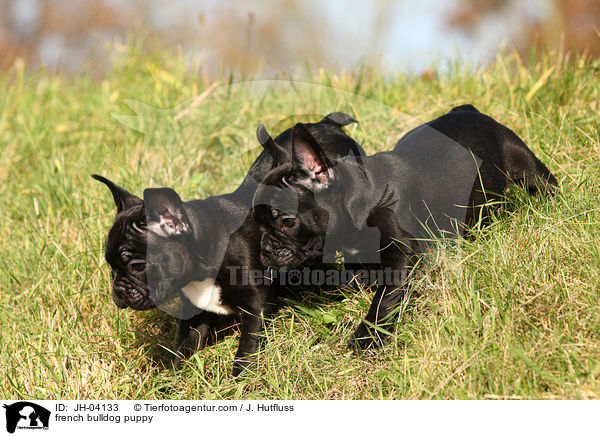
(148, 247)
(125, 249)
(293, 222)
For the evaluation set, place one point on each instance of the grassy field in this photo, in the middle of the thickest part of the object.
(512, 313)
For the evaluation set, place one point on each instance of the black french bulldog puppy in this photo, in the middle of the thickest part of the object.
(439, 179)
(161, 247)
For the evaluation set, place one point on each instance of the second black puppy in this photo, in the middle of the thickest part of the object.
(436, 182)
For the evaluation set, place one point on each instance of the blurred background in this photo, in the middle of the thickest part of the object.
(265, 38)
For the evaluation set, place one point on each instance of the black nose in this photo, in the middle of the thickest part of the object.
(119, 300)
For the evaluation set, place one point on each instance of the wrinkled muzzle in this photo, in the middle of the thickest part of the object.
(134, 295)
(281, 253)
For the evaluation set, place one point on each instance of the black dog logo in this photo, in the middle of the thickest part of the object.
(26, 415)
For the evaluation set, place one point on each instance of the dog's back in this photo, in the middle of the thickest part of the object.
(502, 156)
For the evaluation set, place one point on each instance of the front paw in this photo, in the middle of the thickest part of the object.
(240, 366)
(366, 338)
(178, 360)
(196, 340)
(183, 352)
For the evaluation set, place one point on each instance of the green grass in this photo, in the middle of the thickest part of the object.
(511, 313)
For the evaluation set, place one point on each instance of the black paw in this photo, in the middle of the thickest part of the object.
(366, 338)
(187, 348)
(240, 366)
(181, 355)
(178, 361)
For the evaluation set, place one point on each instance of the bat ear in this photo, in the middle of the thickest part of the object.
(277, 153)
(123, 199)
(309, 158)
(165, 214)
(340, 119)
(464, 107)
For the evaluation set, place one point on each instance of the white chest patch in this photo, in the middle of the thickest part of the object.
(206, 295)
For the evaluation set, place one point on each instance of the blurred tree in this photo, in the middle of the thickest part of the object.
(64, 34)
(273, 35)
(574, 23)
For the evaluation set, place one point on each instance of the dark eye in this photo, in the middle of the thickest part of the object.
(288, 222)
(137, 266)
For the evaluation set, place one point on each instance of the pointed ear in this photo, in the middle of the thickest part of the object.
(123, 199)
(339, 119)
(309, 157)
(277, 153)
(165, 214)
